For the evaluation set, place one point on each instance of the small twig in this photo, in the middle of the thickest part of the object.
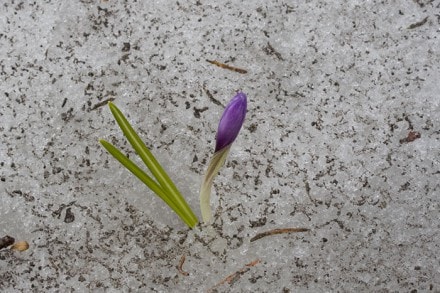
(102, 103)
(211, 97)
(417, 24)
(6, 241)
(180, 265)
(226, 66)
(269, 50)
(235, 276)
(64, 103)
(278, 231)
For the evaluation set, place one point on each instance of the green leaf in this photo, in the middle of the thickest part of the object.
(166, 188)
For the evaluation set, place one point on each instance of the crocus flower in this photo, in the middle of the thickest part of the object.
(231, 121)
(228, 129)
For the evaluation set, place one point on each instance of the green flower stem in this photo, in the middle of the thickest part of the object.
(167, 186)
(215, 164)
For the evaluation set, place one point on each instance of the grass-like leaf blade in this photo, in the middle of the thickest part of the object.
(153, 165)
(147, 180)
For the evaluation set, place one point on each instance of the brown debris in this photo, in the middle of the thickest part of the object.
(180, 265)
(211, 97)
(103, 103)
(70, 217)
(417, 24)
(226, 66)
(20, 246)
(232, 278)
(269, 50)
(278, 231)
(6, 241)
(412, 136)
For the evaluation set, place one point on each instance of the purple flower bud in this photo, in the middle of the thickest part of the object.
(231, 121)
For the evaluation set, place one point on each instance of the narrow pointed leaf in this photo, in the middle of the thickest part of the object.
(147, 180)
(153, 165)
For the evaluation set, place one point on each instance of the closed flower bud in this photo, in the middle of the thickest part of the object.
(228, 129)
(231, 121)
